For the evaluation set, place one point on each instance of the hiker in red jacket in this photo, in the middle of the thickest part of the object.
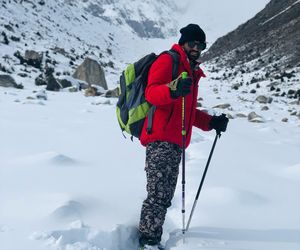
(164, 143)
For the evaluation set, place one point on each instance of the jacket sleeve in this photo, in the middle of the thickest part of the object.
(157, 92)
(202, 120)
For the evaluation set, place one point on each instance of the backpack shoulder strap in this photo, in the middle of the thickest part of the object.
(175, 59)
(175, 66)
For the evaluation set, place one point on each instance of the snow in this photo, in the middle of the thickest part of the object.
(70, 181)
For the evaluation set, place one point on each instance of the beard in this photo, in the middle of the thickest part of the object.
(193, 55)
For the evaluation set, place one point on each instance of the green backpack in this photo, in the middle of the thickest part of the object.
(132, 107)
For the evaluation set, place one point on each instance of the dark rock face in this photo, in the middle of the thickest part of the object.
(143, 25)
(273, 34)
(146, 28)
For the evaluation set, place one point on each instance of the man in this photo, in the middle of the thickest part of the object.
(164, 143)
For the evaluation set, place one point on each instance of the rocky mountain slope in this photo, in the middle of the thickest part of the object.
(55, 43)
(273, 36)
(36, 35)
(261, 56)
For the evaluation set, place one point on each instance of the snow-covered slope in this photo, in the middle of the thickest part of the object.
(70, 181)
(66, 32)
(108, 31)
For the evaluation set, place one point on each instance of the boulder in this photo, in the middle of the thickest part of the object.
(236, 86)
(33, 58)
(5, 39)
(91, 72)
(229, 116)
(72, 89)
(39, 81)
(60, 51)
(112, 93)
(240, 115)
(253, 117)
(91, 91)
(65, 83)
(7, 81)
(222, 106)
(263, 99)
(295, 102)
(22, 75)
(297, 94)
(52, 83)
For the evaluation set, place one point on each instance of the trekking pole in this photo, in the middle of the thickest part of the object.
(183, 133)
(202, 180)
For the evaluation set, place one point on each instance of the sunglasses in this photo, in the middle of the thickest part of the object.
(200, 45)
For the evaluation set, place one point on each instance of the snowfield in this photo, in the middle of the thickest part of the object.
(69, 179)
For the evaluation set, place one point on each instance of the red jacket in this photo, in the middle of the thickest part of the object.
(167, 120)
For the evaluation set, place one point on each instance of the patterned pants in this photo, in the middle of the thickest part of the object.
(162, 167)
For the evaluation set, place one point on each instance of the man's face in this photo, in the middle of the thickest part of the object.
(193, 49)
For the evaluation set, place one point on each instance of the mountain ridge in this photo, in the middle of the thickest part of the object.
(273, 35)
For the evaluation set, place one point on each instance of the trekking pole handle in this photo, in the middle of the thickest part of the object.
(184, 75)
(218, 131)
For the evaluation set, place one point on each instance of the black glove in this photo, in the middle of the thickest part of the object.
(180, 87)
(219, 123)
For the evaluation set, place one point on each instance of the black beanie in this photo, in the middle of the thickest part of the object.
(191, 32)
